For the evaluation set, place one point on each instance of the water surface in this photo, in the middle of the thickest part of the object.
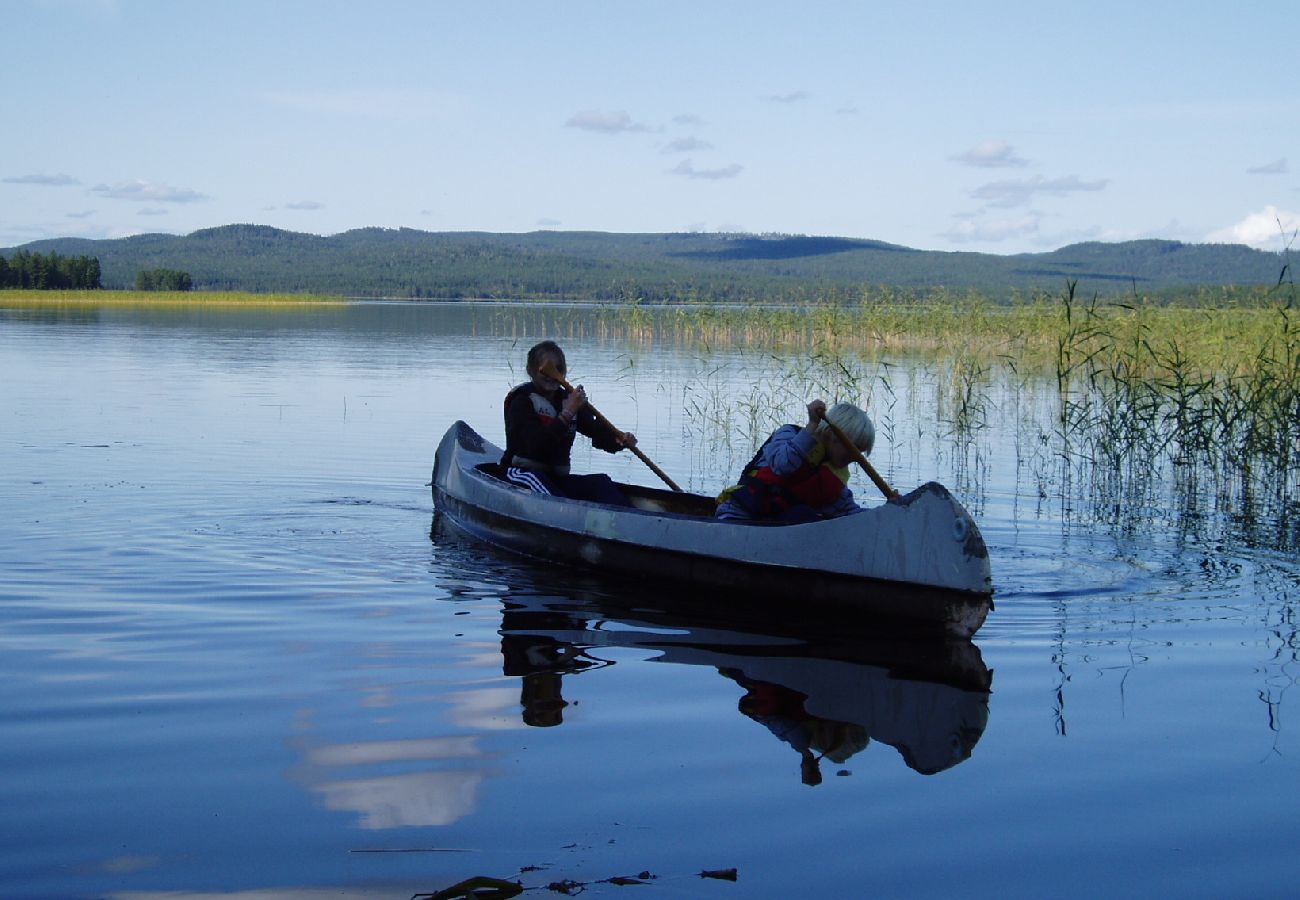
(241, 655)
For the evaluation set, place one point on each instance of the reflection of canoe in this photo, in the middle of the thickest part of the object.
(921, 559)
(826, 695)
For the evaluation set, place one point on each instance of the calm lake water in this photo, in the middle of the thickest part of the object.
(241, 658)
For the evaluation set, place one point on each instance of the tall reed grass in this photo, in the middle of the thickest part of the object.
(1207, 391)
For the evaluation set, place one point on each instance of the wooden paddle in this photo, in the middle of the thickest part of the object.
(550, 372)
(890, 493)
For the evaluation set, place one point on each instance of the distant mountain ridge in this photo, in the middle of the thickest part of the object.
(588, 265)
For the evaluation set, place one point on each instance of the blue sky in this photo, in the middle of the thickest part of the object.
(1001, 127)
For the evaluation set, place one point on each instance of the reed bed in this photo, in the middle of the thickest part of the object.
(1207, 392)
(1023, 333)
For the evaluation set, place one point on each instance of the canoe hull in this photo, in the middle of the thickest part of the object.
(921, 560)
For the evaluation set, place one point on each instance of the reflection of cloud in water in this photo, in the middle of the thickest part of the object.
(125, 865)
(488, 709)
(369, 752)
(480, 656)
(438, 797)
(397, 801)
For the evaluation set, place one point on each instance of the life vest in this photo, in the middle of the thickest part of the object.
(764, 494)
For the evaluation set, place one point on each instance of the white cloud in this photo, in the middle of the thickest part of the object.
(687, 145)
(991, 155)
(1269, 229)
(847, 111)
(1018, 192)
(152, 211)
(1276, 167)
(145, 191)
(42, 179)
(687, 169)
(83, 214)
(688, 119)
(304, 205)
(792, 97)
(978, 229)
(616, 122)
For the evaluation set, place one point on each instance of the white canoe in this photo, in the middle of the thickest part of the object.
(920, 559)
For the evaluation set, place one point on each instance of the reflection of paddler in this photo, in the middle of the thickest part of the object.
(543, 705)
(541, 660)
(781, 711)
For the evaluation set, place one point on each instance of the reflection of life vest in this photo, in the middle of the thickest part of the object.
(764, 699)
(763, 493)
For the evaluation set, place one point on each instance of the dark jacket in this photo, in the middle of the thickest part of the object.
(536, 436)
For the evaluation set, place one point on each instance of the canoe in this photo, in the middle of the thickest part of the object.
(919, 560)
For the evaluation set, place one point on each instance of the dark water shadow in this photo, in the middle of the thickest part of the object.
(827, 689)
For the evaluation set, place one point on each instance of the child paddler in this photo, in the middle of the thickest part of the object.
(801, 474)
(542, 419)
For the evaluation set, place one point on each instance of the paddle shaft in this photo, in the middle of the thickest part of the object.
(890, 493)
(549, 371)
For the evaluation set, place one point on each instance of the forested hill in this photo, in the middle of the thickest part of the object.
(377, 262)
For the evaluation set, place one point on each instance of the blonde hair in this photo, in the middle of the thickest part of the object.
(856, 425)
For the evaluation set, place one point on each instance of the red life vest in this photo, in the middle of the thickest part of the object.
(764, 494)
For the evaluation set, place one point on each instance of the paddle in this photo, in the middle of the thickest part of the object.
(550, 372)
(890, 494)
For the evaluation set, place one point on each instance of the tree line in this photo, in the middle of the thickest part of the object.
(677, 267)
(163, 280)
(35, 272)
